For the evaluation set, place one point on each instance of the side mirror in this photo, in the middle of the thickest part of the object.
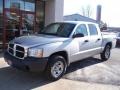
(78, 35)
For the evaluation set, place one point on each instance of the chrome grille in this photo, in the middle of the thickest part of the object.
(17, 51)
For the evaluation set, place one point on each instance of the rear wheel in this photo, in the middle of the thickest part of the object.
(105, 55)
(56, 67)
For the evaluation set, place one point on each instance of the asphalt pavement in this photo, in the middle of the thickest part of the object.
(93, 70)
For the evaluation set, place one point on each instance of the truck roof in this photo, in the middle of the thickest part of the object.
(78, 22)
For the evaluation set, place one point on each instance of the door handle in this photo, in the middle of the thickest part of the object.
(98, 39)
(86, 41)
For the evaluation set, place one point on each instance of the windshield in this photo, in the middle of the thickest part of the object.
(58, 29)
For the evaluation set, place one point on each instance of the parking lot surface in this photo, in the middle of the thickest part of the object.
(90, 70)
(95, 71)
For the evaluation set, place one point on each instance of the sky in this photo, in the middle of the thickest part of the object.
(110, 9)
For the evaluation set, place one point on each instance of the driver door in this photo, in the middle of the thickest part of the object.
(81, 43)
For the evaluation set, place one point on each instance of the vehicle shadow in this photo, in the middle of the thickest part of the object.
(117, 47)
(19, 80)
(1, 54)
(13, 79)
(82, 64)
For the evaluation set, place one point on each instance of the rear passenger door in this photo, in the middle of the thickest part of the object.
(95, 39)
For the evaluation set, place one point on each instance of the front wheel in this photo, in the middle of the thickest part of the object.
(56, 67)
(105, 55)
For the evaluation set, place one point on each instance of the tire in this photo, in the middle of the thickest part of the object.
(56, 68)
(105, 55)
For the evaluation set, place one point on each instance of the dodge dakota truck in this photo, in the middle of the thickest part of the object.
(57, 46)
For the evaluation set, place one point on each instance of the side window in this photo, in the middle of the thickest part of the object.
(92, 29)
(82, 29)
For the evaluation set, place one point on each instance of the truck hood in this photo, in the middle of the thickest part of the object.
(35, 40)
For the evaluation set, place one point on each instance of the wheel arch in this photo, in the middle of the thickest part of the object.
(61, 53)
(110, 44)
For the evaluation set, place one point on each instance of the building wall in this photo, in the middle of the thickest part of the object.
(53, 11)
(59, 6)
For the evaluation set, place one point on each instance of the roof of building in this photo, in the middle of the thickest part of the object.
(78, 17)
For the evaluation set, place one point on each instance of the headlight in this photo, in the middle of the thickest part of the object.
(35, 53)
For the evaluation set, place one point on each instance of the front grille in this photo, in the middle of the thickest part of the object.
(11, 45)
(19, 54)
(17, 51)
(11, 51)
(19, 48)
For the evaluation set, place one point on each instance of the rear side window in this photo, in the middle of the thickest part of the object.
(82, 29)
(92, 29)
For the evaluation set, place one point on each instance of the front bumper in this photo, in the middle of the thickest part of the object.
(27, 64)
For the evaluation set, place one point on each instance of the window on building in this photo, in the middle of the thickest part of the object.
(82, 29)
(40, 15)
(26, 5)
(92, 29)
(1, 14)
(13, 4)
(30, 5)
(1, 22)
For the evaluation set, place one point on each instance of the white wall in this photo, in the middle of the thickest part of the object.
(53, 11)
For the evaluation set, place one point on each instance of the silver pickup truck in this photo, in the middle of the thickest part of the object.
(57, 46)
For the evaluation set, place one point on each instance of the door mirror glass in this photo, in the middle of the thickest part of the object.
(78, 35)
